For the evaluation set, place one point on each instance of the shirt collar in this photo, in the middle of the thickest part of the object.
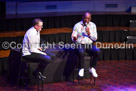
(35, 30)
(81, 22)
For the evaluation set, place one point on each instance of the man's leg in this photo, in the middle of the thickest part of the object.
(43, 59)
(81, 51)
(94, 53)
(49, 53)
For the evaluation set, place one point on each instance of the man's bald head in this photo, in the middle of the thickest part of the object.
(86, 17)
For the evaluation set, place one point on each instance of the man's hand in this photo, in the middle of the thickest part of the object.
(40, 49)
(45, 53)
(87, 30)
(74, 38)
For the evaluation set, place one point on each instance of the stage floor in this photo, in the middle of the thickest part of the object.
(113, 76)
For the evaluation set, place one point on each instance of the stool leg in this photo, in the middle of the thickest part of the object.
(73, 76)
(22, 83)
(38, 85)
(94, 80)
(42, 85)
(19, 74)
(78, 78)
(91, 78)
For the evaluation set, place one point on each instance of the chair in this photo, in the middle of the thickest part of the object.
(24, 72)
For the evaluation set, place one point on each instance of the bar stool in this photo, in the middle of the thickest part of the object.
(23, 77)
(76, 70)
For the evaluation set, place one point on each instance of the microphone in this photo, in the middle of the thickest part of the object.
(84, 24)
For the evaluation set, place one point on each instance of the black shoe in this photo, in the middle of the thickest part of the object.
(42, 76)
(36, 75)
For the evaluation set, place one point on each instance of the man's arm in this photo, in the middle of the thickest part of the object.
(88, 31)
(93, 35)
(74, 33)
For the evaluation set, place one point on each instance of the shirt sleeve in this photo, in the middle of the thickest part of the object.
(93, 34)
(33, 44)
(74, 33)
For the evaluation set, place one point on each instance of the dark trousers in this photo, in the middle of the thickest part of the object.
(92, 50)
(43, 59)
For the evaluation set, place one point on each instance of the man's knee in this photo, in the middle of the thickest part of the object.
(46, 59)
(81, 53)
(97, 53)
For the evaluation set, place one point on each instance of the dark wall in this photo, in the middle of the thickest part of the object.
(2, 10)
(24, 24)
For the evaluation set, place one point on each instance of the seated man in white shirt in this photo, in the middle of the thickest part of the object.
(84, 33)
(31, 48)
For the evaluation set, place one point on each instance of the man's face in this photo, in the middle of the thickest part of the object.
(39, 26)
(87, 18)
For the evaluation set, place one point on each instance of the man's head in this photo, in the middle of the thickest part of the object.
(37, 24)
(86, 17)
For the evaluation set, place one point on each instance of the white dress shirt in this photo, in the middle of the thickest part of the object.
(81, 34)
(31, 42)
